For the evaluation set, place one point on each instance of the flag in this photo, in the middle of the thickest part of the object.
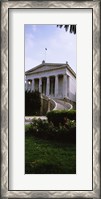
(45, 48)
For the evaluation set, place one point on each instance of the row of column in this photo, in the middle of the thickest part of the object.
(65, 87)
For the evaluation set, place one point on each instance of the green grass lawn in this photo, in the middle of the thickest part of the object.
(48, 157)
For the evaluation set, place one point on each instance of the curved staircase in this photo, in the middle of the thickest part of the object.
(62, 104)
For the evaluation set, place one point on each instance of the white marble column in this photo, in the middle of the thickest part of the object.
(32, 86)
(40, 85)
(56, 86)
(26, 86)
(65, 85)
(48, 86)
(68, 79)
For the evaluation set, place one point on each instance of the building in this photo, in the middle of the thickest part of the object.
(54, 80)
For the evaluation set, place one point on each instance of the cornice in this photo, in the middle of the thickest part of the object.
(61, 66)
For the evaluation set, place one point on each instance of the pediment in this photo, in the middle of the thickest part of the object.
(48, 67)
(42, 68)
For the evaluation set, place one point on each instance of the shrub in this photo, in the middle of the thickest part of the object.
(71, 114)
(60, 117)
(28, 129)
(45, 130)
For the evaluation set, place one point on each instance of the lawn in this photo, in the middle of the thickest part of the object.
(49, 157)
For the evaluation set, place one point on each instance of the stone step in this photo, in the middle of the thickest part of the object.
(62, 104)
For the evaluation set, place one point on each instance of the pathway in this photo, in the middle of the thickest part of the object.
(60, 105)
(28, 119)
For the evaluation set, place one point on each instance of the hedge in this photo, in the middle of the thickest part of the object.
(60, 116)
(48, 131)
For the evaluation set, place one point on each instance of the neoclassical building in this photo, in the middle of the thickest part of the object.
(54, 80)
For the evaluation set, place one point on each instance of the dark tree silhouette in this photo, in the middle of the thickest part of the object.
(32, 103)
(71, 28)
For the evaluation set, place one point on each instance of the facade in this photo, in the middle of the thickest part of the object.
(53, 80)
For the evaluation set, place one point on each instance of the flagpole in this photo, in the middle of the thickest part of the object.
(45, 54)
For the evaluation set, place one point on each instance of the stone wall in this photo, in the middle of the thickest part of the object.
(47, 104)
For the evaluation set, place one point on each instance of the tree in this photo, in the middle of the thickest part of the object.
(71, 28)
(32, 103)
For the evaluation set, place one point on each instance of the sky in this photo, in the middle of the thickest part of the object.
(60, 45)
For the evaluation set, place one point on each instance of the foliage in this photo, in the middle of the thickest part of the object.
(48, 131)
(48, 157)
(32, 103)
(58, 117)
(71, 114)
(50, 149)
(71, 28)
(28, 128)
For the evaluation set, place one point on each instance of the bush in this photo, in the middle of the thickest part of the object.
(42, 129)
(60, 117)
(28, 129)
(71, 114)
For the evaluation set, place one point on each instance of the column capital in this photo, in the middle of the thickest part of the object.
(56, 75)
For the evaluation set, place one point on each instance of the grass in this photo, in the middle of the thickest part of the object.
(48, 157)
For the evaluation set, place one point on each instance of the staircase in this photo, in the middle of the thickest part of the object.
(62, 104)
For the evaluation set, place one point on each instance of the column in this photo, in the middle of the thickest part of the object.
(68, 86)
(26, 86)
(56, 86)
(65, 86)
(32, 87)
(48, 86)
(40, 85)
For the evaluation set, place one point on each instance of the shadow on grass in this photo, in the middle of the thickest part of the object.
(47, 157)
(47, 168)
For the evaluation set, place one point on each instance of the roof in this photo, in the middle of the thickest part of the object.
(50, 64)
